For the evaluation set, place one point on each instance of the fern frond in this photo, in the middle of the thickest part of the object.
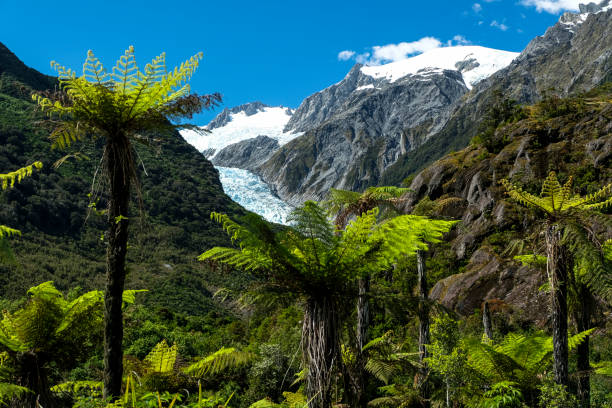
(603, 368)
(6, 232)
(162, 357)
(129, 296)
(8, 180)
(220, 360)
(83, 307)
(11, 391)
(73, 387)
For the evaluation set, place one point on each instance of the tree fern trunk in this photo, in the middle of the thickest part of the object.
(424, 337)
(582, 316)
(32, 375)
(363, 322)
(486, 320)
(119, 164)
(320, 348)
(557, 268)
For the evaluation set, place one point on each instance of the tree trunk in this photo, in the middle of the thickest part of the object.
(320, 348)
(582, 317)
(33, 376)
(486, 320)
(119, 161)
(424, 337)
(557, 267)
(358, 397)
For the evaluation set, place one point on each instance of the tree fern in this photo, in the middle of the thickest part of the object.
(569, 235)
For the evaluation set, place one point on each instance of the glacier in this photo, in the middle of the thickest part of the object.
(248, 190)
(243, 186)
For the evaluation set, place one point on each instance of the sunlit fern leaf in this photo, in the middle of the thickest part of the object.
(73, 387)
(127, 99)
(603, 368)
(8, 180)
(45, 290)
(6, 232)
(84, 307)
(9, 392)
(265, 403)
(538, 261)
(220, 360)
(556, 200)
(162, 357)
(129, 296)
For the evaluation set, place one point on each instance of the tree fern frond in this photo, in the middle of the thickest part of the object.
(8, 180)
(11, 391)
(162, 357)
(129, 296)
(83, 307)
(381, 369)
(73, 387)
(219, 361)
(603, 368)
(6, 232)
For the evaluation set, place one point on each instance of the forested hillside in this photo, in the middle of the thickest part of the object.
(63, 239)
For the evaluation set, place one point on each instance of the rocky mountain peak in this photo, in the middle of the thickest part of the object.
(225, 116)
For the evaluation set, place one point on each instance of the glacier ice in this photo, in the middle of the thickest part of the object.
(248, 190)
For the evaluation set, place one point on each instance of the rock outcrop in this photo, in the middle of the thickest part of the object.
(247, 154)
(465, 186)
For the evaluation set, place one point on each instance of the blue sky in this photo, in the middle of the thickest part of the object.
(277, 52)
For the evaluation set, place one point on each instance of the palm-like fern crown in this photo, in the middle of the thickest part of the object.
(344, 203)
(577, 215)
(50, 324)
(557, 200)
(127, 100)
(311, 257)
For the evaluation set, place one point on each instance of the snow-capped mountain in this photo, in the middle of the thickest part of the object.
(241, 123)
(474, 62)
(470, 63)
(382, 123)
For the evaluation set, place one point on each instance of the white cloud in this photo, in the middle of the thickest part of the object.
(383, 54)
(458, 40)
(553, 6)
(477, 8)
(501, 26)
(396, 52)
(345, 55)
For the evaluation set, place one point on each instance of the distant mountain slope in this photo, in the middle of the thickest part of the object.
(572, 56)
(179, 190)
(575, 141)
(381, 124)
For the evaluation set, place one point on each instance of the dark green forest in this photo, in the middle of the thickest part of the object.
(369, 298)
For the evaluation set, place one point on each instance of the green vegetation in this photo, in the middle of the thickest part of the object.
(119, 107)
(315, 314)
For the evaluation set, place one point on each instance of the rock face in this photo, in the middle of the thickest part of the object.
(379, 127)
(224, 117)
(465, 186)
(247, 154)
(358, 139)
(572, 56)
